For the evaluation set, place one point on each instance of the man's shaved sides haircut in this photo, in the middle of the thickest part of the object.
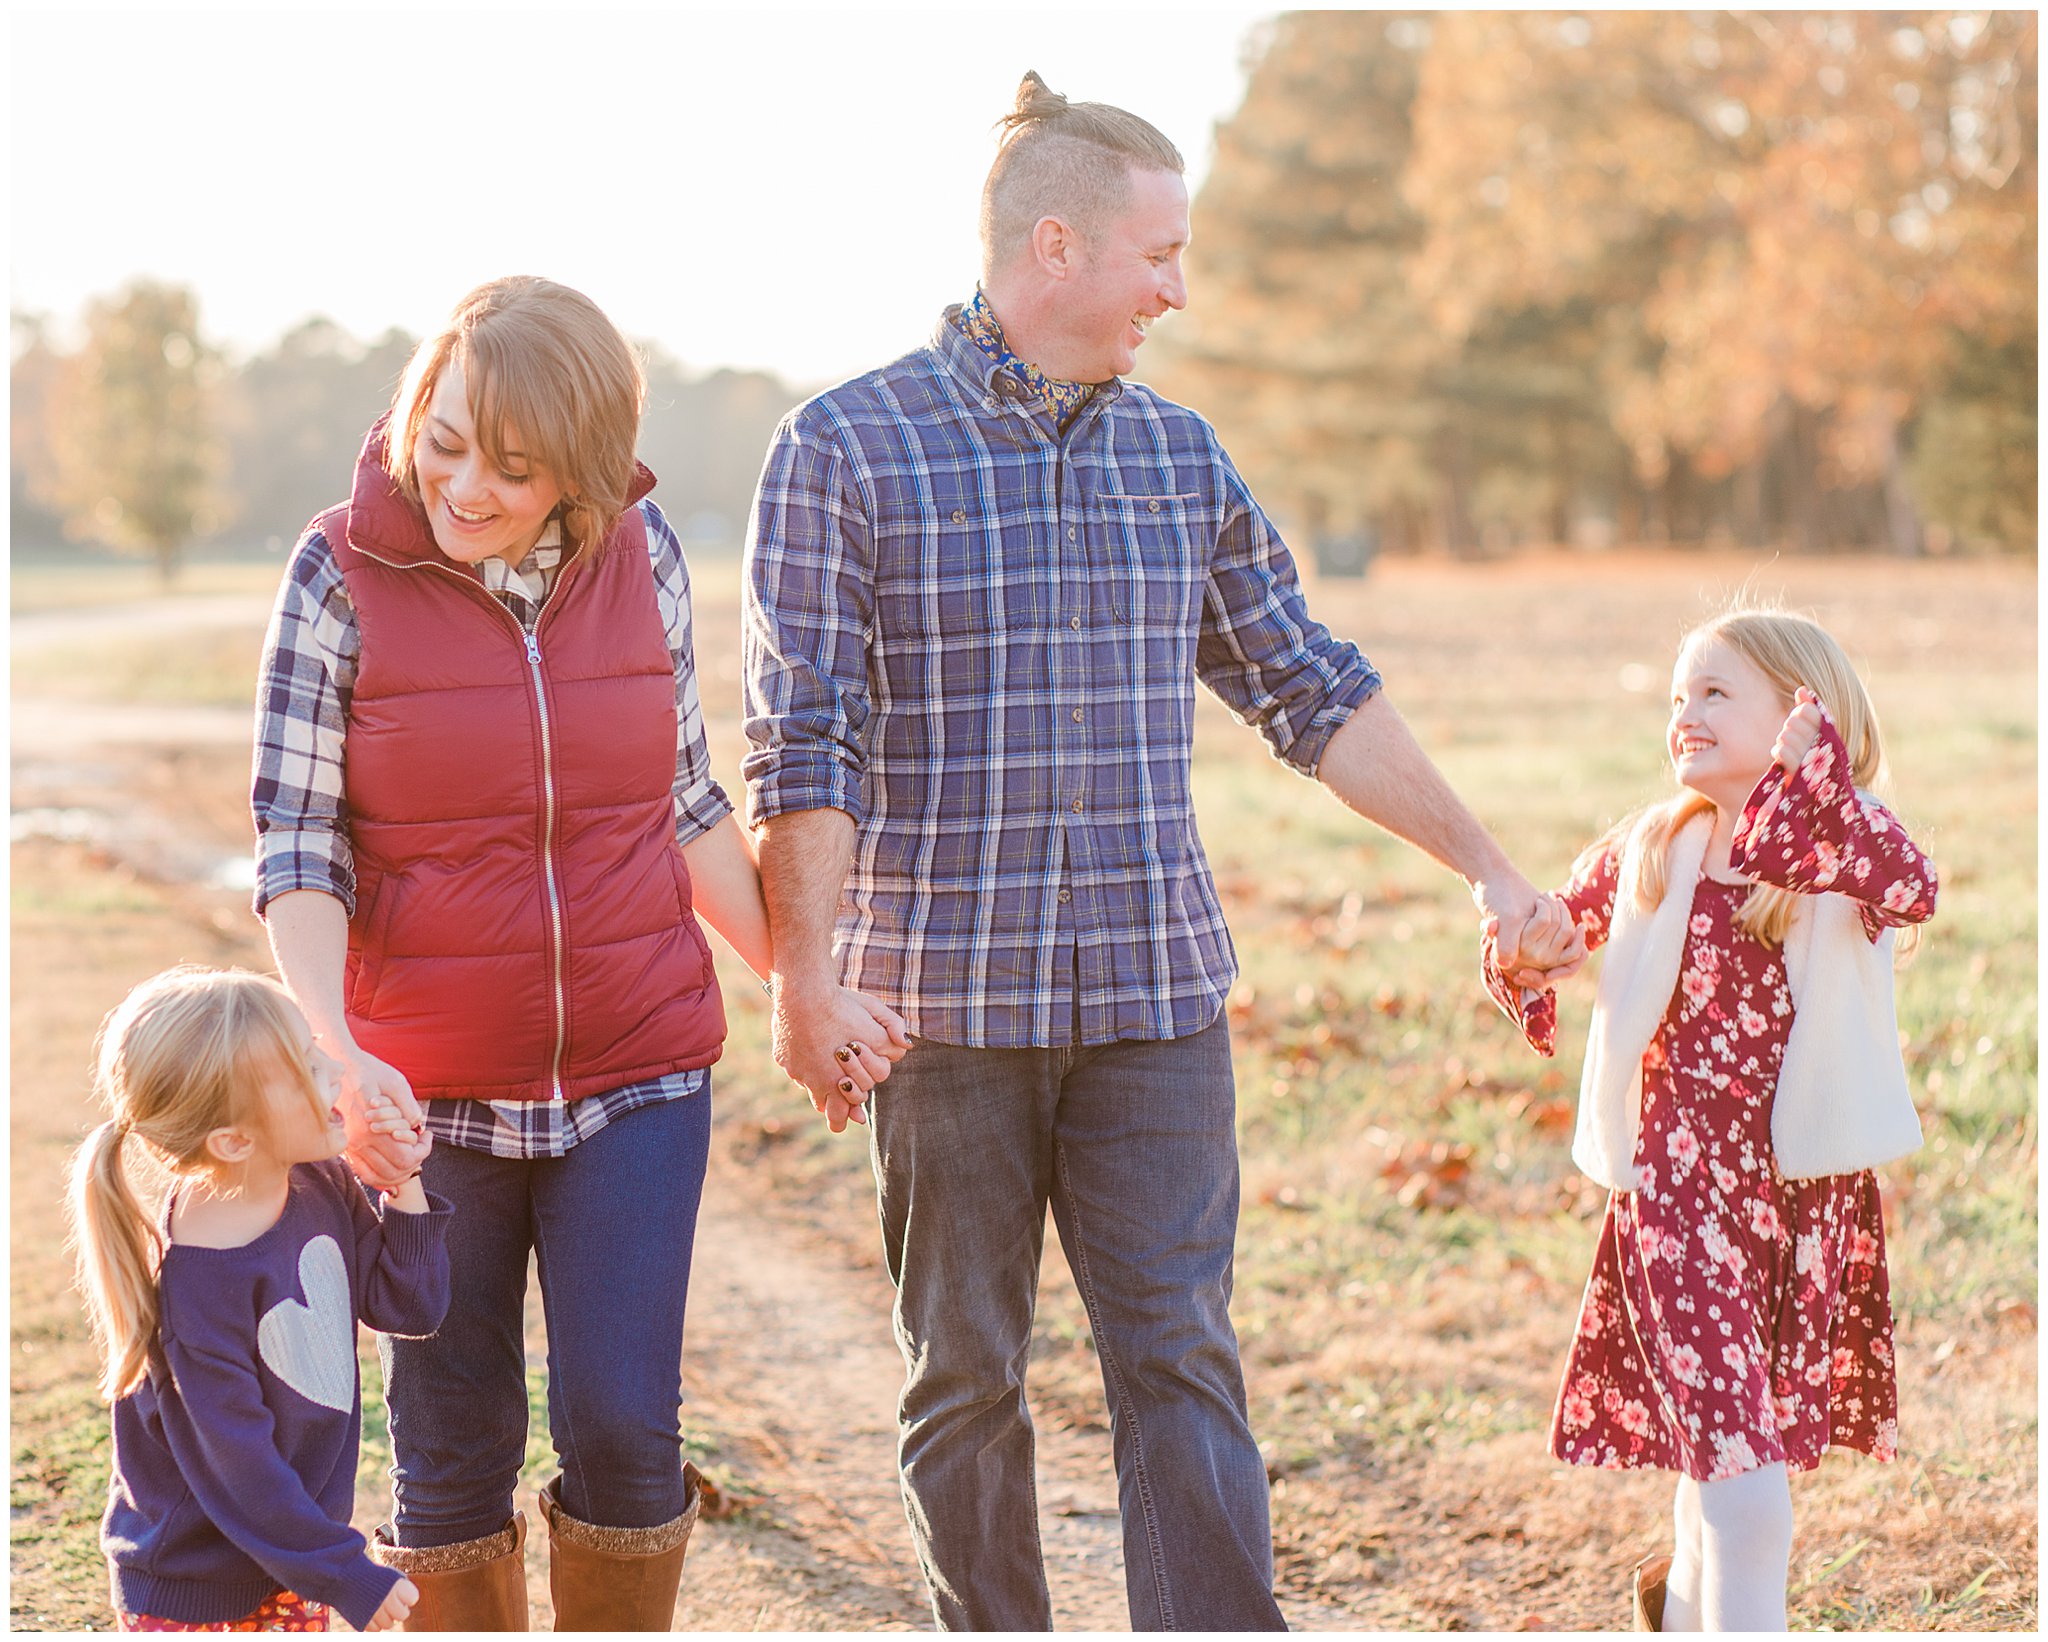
(1067, 160)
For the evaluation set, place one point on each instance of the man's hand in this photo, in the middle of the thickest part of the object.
(1801, 731)
(838, 1044)
(385, 1125)
(1531, 943)
(1551, 947)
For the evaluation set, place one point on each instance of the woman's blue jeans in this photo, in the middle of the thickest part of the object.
(612, 1224)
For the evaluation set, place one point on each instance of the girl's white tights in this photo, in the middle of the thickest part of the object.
(1731, 1553)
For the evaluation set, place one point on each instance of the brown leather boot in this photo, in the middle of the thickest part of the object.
(616, 1579)
(472, 1585)
(1649, 1579)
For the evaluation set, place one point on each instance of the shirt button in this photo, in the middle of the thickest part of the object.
(959, 516)
(1075, 623)
(1077, 715)
(1151, 507)
(1070, 533)
(1066, 895)
(1077, 806)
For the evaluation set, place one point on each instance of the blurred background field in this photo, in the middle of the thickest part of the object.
(1541, 334)
(1414, 1237)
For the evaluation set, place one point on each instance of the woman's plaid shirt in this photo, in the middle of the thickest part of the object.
(979, 637)
(302, 842)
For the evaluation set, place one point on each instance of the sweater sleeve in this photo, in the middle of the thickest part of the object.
(401, 1262)
(224, 1441)
(1809, 830)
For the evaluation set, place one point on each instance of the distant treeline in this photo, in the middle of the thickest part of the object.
(147, 437)
(1472, 278)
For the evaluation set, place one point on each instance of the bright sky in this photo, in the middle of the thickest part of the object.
(793, 190)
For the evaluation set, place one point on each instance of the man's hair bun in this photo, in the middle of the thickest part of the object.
(1036, 101)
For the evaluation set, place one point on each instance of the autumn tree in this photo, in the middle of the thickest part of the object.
(294, 416)
(134, 453)
(33, 366)
(1301, 341)
(1806, 211)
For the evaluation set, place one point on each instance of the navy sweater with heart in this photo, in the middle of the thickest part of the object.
(235, 1461)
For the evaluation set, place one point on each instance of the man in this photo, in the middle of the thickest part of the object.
(982, 584)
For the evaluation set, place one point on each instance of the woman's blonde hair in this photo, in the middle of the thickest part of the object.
(544, 360)
(1790, 650)
(187, 1052)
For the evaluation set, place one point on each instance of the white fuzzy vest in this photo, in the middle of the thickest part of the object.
(1841, 1103)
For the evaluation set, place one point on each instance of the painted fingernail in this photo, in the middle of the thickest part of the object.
(846, 1086)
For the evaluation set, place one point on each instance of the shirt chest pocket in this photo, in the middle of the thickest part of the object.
(1157, 550)
(936, 580)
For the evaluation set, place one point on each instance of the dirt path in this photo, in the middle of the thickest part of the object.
(790, 1355)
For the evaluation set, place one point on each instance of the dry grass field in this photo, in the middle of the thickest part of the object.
(1414, 1238)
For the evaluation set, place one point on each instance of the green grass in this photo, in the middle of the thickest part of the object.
(89, 579)
(203, 667)
(1399, 1351)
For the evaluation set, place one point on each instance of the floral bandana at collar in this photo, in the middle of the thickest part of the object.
(985, 331)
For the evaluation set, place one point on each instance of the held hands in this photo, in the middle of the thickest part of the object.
(387, 1138)
(398, 1605)
(1537, 943)
(1552, 946)
(1801, 731)
(838, 1044)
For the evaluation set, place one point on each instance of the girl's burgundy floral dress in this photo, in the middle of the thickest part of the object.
(1735, 1318)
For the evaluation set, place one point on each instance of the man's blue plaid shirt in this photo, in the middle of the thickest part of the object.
(979, 636)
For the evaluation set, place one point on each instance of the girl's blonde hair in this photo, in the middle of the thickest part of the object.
(542, 359)
(187, 1052)
(1790, 650)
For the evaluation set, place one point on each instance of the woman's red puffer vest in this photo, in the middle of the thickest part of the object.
(523, 927)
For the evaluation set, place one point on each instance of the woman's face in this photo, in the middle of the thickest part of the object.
(476, 509)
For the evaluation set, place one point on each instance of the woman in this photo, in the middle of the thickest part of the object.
(485, 820)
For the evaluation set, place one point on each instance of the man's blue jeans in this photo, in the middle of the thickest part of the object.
(1134, 1146)
(613, 1223)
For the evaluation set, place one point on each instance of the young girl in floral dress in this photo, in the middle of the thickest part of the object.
(1742, 1077)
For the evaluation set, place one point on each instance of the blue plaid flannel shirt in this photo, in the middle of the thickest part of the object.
(298, 795)
(979, 637)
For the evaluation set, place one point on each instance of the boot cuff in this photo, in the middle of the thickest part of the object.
(663, 1536)
(448, 1559)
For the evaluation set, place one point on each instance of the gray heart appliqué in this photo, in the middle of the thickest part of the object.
(312, 1347)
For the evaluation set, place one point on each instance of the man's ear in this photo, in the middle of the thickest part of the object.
(232, 1146)
(1054, 247)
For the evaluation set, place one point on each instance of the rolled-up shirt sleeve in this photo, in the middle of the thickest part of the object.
(701, 803)
(809, 615)
(303, 687)
(1272, 663)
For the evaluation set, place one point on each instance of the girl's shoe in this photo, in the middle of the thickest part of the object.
(1650, 1574)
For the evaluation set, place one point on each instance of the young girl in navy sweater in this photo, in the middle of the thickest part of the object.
(1742, 1077)
(228, 1325)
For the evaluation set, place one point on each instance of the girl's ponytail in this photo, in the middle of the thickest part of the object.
(119, 1251)
(187, 1052)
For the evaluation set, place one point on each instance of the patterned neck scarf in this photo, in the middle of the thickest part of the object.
(985, 331)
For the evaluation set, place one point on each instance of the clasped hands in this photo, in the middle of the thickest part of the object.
(1536, 940)
(837, 1043)
(388, 1138)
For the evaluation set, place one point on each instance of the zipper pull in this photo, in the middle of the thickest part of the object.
(532, 650)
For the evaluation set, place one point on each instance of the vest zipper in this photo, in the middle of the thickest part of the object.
(547, 856)
(547, 768)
